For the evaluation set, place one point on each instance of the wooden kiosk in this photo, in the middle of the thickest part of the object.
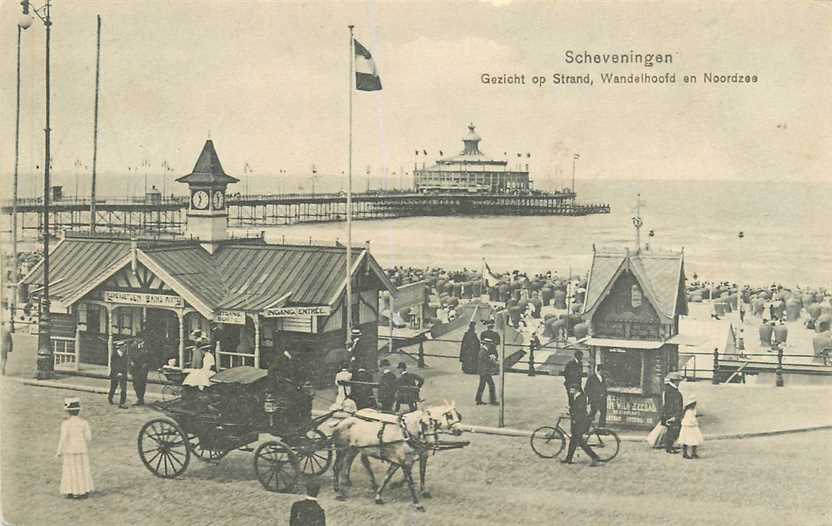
(633, 303)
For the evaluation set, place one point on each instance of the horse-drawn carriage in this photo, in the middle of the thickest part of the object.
(240, 405)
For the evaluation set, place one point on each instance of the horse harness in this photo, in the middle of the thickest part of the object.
(417, 442)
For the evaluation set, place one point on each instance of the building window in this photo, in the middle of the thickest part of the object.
(124, 321)
(635, 296)
(623, 368)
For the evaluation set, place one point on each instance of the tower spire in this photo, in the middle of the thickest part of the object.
(637, 221)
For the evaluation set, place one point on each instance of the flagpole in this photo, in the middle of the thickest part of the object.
(349, 199)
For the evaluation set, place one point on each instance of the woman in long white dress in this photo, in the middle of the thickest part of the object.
(201, 377)
(76, 478)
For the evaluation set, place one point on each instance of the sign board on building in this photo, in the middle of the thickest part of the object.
(291, 312)
(234, 317)
(143, 298)
(633, 410)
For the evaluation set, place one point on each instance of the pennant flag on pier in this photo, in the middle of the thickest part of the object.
(366, 75)
(577, 156)
(488, 276)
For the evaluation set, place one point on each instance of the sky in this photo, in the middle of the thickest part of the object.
(268, 83)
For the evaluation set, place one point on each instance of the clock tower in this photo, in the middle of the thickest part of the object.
(207, 214)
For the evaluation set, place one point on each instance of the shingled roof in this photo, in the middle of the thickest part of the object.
(238, 276)
(660, 274)
(208, 169)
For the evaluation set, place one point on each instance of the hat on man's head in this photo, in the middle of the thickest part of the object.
(72, 403)
(402, 366)
(675, 375)
(196, 334)
(489, 322)
(356, 332)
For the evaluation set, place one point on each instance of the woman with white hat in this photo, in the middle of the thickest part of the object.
(76, 479)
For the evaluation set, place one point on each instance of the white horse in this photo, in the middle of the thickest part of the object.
(397, 440)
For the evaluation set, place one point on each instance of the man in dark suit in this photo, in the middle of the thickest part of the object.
(139, 365)
(308, 512)
(407, 388)
(573, 372)
(580, 425)
(118, 374)
(490, 337)
(386, 386)
(362, 393)
(672, 410)
(596, 392)
(486, 368)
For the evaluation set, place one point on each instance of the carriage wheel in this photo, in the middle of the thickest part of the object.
(206, 454)
(276, 466)
(313, 452)
(547, 441)
(163, 448)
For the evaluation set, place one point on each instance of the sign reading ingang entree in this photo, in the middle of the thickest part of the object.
(290, 312)
(143, 298)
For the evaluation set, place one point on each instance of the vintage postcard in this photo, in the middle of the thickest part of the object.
(450, 263)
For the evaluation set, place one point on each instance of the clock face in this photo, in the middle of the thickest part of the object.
(199, 200)
(218, 200)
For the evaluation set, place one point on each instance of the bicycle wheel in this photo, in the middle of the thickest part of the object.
(547, 441)
(605, 443)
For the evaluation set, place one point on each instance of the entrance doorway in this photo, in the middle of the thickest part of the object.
(161, 336)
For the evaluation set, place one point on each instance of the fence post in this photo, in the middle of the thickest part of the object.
(779, 372)
(532, 347)
(715, 379)
(420, 363)
(502, 419)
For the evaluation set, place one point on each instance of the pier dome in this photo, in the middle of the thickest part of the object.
(472, 170)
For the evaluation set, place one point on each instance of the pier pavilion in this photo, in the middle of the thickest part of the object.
(254, 299)
(633, 302)
(472, 171)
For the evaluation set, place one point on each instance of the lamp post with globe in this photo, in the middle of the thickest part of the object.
(45, 364)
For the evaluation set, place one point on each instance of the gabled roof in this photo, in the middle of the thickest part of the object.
(237, 276)
(208, 169)
(259, 275)
(189, 266)
(660, 274)
(74, 263)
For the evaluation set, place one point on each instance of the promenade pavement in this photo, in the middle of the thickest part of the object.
(495, 480)
(726, 411)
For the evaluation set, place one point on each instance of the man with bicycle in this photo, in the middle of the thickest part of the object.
(580, 426)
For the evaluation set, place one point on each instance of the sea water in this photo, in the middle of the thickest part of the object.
(786, 227)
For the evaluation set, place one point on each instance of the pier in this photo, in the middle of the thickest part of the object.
(167, 215)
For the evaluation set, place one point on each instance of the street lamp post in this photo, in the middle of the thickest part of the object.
(740, 302)
(45, 363)
(314, 177)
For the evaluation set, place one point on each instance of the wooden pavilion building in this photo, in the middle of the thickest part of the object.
(254, 299)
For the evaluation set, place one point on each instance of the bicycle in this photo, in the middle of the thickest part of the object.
(548, 441)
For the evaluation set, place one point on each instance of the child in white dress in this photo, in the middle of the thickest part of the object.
(690, 436)
(76, 479)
